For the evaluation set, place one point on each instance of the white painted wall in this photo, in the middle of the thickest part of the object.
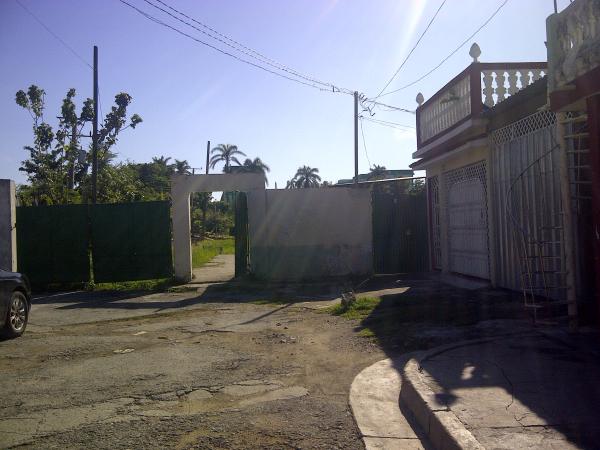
(8, 233)
(294, 233)
(313, 233)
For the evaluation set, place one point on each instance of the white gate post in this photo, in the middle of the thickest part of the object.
(8, 232)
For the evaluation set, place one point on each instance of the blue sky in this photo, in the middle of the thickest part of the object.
(188, 94)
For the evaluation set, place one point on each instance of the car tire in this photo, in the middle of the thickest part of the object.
(17, 315)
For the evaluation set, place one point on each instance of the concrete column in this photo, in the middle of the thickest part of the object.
(8, 221)
(444, 235)
(182, 246)
(491, 217)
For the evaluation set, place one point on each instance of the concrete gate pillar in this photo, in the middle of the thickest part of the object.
(8, 220)
(181, 188)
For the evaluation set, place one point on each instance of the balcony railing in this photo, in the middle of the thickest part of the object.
(480, 86)
(573, 41)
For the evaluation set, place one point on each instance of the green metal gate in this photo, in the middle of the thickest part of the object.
(53, 243)
(122, 242)
(131, 241)
(241, 234)
(400, 241)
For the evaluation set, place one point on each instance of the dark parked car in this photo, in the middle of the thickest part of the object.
(15, 303)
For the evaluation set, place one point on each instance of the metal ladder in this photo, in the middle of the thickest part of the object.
(547, 277)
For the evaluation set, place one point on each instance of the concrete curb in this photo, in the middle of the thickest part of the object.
(444, 430)
(440, 424)
(373, 400)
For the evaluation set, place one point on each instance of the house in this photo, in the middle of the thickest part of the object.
(503, 164)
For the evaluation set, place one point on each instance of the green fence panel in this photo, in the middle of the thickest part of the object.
(241, 234)
(53, 243)
(131, 241)
(400, 240)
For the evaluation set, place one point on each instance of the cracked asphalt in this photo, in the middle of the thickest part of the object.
(179, 370)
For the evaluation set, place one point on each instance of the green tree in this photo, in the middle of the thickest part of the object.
(377, 172)
(182, 167)
(256, 166)
(57, 167)
(306, 177)
(227, 154)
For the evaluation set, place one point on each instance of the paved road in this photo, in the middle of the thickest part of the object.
(186, 370)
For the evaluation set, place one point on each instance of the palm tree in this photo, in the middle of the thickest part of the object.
(256, 166)
(161, 160)
(182, 167)
(377, 172)
(306, 177)
(225, 153)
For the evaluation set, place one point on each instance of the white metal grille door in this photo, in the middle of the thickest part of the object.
(468, 249)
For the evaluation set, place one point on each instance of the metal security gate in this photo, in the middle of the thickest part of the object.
(399, 228)
(53, 243)
(468, 249)
(122, 242)
(131, 241)
(241, 234)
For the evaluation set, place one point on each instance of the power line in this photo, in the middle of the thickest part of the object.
(452, 53)
(390, 107)
(67, 46)
(232, 43)
(245, 61)
(412, 50)
(364, 143)
(388, 126)
(386, 122)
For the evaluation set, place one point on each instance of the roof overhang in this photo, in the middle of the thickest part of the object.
(423, 164)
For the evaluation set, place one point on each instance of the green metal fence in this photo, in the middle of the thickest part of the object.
(400, 240)
(131, 241)
(241, 234)
(122, 242)
(53, 243)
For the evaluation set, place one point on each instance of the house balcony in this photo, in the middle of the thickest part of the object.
(454, 113)
(573, 43)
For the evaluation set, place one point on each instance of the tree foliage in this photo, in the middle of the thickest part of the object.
(226, 154)
(57, 166)
(305, 177)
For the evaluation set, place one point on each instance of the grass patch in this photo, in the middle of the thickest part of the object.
(361, 308)
(158, 284)
(204, 251)
(367, 333)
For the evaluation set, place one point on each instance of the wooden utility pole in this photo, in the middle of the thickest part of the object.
(95, 130)
(355, 138)
(207, 153)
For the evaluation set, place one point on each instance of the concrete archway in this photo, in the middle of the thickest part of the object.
(181, 188)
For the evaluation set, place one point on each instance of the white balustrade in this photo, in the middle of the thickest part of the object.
(446, 110)
(499, 84)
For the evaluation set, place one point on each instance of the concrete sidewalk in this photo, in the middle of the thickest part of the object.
(526, 391)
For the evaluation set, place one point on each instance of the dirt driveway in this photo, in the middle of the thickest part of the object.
(180, 370)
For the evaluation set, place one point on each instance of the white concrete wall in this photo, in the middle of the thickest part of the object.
(313, 233)
(294, 234)
(8, 233)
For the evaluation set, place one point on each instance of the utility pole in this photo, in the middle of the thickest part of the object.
(207, 153)
(95, 130)
(355, 138)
